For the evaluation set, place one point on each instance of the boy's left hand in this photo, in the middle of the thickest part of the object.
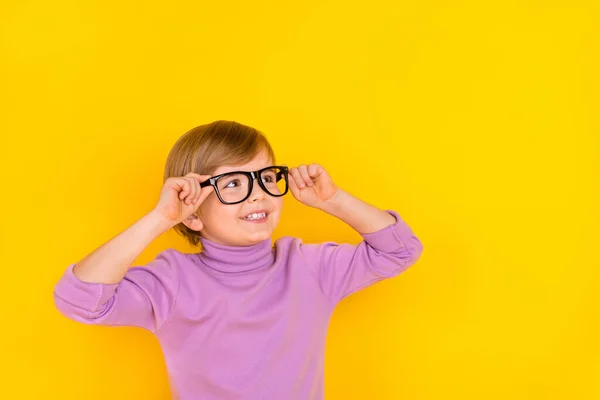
(311, 185)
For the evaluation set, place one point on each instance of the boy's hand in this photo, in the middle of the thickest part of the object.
(311, 185)
(181, 196)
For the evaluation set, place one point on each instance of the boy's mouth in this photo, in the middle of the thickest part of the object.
(258, 215)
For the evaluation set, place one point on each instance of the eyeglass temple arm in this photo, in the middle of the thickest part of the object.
(279, 175)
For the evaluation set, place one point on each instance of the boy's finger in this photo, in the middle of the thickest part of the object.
(296, 175)
(193, 190)
(184, 185)
(196, 187)
(204, 193)
(313, 170)
(294, 186)
(304, 173)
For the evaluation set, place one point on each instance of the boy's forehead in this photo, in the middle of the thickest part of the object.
(259, 161)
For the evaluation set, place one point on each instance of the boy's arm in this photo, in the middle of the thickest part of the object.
(109, 263)
(362, 216)
(179, 199)
(388, 248)
(104, 289)
(145, 297)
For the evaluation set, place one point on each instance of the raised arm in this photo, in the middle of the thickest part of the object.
(103, 288)
(389, 246)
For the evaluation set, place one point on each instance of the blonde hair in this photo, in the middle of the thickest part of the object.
(206, 147)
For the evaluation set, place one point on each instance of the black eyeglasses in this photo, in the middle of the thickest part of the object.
(235, 187)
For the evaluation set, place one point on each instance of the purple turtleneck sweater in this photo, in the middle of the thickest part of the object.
(242, 322)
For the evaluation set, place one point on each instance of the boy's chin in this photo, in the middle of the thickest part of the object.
(257, 237)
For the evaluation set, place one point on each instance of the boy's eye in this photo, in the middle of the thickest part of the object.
(268, 177)
(233, 181)
(232, 184)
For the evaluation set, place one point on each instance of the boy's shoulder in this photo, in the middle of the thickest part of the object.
(301, 245)
(288, 241)
(171, 258)
(293, 240)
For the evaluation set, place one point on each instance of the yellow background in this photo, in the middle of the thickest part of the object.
(477, 121)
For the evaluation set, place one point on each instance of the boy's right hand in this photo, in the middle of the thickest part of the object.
(181, 196)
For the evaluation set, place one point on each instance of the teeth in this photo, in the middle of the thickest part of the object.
(256, 216)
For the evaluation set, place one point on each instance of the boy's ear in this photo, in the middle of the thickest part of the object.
(193, 222)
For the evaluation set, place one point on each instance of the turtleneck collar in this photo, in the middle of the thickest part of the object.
(232, 259)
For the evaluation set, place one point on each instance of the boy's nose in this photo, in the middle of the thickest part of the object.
(257, 193)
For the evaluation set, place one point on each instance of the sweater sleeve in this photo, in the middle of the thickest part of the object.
(342, 269)
(144, 297)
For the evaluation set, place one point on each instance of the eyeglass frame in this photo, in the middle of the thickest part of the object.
(252, 175)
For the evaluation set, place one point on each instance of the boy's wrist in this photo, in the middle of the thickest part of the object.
(336, 202)
(159, 222)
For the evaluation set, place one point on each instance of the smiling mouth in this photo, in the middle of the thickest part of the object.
(256, 216)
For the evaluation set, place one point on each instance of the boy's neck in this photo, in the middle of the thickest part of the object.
(235, 259)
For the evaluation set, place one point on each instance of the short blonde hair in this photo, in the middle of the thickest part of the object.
(206, 147)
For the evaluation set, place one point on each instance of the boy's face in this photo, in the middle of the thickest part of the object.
(225, 224)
